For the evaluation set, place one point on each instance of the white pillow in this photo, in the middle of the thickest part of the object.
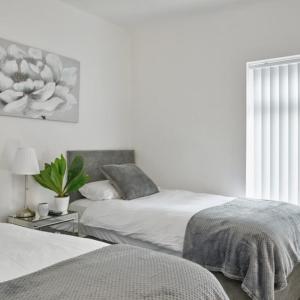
(99, 190)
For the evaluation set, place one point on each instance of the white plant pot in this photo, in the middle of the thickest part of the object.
(62, 204)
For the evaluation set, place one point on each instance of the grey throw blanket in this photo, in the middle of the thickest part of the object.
(255, 241)
(117, 272)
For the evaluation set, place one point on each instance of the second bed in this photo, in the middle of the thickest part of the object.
(161, 221)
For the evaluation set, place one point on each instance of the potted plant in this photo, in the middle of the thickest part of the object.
(63, 179)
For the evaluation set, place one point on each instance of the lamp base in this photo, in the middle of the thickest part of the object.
(25, 213)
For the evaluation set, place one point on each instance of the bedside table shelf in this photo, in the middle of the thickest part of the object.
(44, 223)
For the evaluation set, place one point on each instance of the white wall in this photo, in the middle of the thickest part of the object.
(104, 52)
(190, 91)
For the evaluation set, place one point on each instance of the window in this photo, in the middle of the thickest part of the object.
(273, 92)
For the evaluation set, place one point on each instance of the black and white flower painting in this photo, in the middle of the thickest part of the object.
(38, 84)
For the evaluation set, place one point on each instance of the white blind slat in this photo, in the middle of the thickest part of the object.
(283, 133)
(250, 135)
(274, 134)
(257, 133)
(265, 86)
(293, 133)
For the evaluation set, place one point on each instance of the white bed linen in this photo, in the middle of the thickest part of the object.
(23, 250)
(160, 219)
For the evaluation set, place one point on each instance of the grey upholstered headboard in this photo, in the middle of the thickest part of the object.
(93, 160)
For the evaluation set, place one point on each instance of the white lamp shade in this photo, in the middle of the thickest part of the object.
(25, 162)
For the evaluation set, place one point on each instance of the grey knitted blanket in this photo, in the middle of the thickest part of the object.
(114, 273)
(254, 241)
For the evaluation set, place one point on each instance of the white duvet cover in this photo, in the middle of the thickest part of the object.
(160, 219)
(23, 250)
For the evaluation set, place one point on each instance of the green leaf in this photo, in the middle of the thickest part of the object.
(62, 165)
(44, 180)
(75, 168)
(55, 177)
(76, 183)
(39, 179)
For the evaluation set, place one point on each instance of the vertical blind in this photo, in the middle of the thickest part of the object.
(273, 92)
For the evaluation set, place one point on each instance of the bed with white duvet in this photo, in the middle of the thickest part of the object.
(159, 219)
(42, 265)
(224, 234)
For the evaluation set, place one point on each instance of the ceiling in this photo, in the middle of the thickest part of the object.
(125, 12)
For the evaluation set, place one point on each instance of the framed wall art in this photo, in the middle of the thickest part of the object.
(38, 84)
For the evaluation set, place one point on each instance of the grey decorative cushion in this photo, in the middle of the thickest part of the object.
(130, 181)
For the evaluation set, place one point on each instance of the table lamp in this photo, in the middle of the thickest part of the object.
(25, 163)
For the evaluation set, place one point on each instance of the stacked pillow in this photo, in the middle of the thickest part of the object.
(125, 181)
(130, 181)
